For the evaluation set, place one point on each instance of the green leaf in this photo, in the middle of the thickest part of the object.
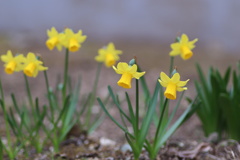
(96, 123)
(117, 104)
(227, 76)
(1, 149)
(15, 104)
(135, 148)
(143, 83)
(148, 117)
(173, 112)
(72, 107)
(109, 115)
(131, 112)
(172, 129)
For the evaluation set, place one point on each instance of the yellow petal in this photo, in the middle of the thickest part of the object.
(164, 84)
(164, 77)
(137, 75)
(184, 39)
(99, 58)
(175, 78)
(175, 46)
(117, 70)
(122, 67)
(111, 46)
(180, 89)
(132, 69)
(174, 53)
(31, 56)
(8, 57)
(191, 44)
(182, 83)
(81, 39)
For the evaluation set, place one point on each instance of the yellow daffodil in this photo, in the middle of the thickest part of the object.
(54, 39)
(183, 47)
(108, 55)
(12, 63)
(32, 65)
(72, 40)
(128, 72)
(172, 85)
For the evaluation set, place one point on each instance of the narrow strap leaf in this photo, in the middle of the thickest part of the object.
(108, 114)
(117, 104)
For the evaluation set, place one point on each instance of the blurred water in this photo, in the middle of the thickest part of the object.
(212, 21)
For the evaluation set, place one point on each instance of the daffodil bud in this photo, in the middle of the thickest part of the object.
(174, 71)
(132, 62)
(178, 39)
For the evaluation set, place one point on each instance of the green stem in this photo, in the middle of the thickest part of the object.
(160, 122)
(171, 65)
(6, 122)
(65, 76)
(49, 96)
(93, 95)
(28, 92)
(30, 99)
(137, 106)
(97, 78)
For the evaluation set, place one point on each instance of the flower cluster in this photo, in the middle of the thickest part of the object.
(68, 39)
(172, 85)
(30, 65)
(138, 137)
(183, 47)
(128, 72)
(108, 55)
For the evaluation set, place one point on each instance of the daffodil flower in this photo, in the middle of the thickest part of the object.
(172, 85)
(32, 65)
(12, 63)
(108, 55)
(72, 40)
(183, 47)
(128, 72)
(54, 39)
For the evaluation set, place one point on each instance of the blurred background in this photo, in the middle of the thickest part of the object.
(147, 23)
(139, 28)
(142, 28)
